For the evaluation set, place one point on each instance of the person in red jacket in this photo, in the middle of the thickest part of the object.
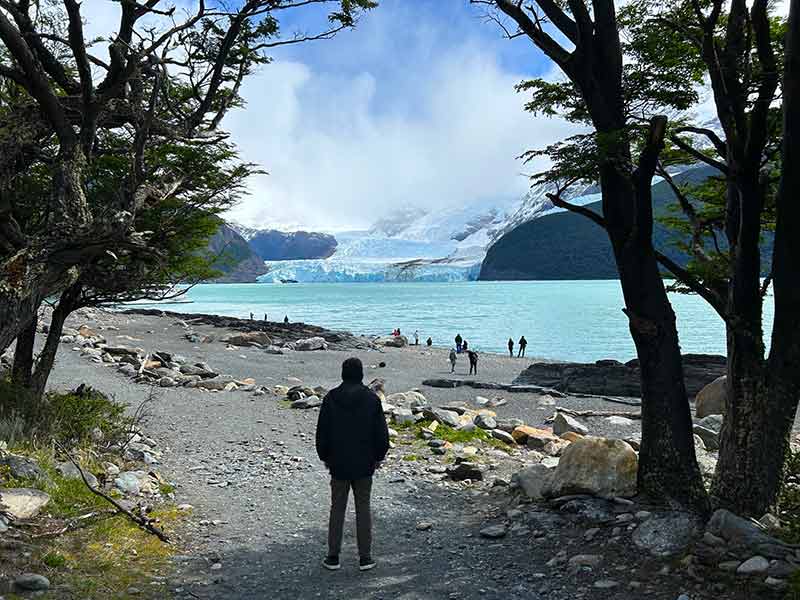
(352, 440)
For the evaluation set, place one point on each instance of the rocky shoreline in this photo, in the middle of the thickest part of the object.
(477, 474)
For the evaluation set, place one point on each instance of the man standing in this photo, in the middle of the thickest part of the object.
(352, 439)
(511, 347)
(458, 343)
(523, 343)
(452, 358)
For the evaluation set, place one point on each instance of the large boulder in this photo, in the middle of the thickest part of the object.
(392, 341)
(252, 338)
(597, 466)
(666, 535)
(23, 503)
(711, 399)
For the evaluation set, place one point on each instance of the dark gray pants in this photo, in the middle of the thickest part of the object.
(340, 489)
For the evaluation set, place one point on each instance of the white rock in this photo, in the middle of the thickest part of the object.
(23, 503)
(563, 423)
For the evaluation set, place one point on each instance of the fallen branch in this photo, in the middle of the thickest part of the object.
(141, 521)
(595, 413)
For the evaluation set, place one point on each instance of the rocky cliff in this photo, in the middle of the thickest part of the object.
(237, 260)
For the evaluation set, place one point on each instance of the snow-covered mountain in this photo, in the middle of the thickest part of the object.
(415, 244)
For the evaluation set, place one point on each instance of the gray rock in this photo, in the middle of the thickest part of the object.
(273, 350)
(31, 582)
(404, 416)
(310, 402)
(503, 436)
(129, 482)
(392, 341)
(310, 344)
(446, 417)
(494, 532)
(252, 338)
(710, 437)
(757, 565)
(605, 584)
(597, 466)
(586, 560)
(70, 471)
(465, 470)
(167, 382)
(738, 531)
(533, 480)
(712, 422)
(197, 370)
(128, 370)
(21, 467)
(23, 503)
(485, 422)
(666, 535)
(564, 423)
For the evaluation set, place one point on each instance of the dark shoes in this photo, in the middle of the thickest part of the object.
(332, 563)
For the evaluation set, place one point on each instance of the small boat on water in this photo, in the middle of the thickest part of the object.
(289, 281)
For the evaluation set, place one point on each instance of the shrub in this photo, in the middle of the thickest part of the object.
(69, 417)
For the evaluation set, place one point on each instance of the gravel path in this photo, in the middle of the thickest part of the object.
(258, 529)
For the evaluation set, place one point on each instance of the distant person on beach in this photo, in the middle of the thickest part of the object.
(286, 320)
(265, 316)
(352, 440)
(251, 316)
(473, 362)
(464, 346)
(458, 343)
(429, 342)
(416, 337)
(511, 347)
(453, 359)
(523, 343)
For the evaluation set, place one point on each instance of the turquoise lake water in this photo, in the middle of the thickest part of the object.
(566, 320)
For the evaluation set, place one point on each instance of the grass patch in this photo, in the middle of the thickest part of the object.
(411, 458)
(104, 556)
(452, 435)
(108, 558)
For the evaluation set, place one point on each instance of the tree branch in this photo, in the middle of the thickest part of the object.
(143, 522)
(694, 284)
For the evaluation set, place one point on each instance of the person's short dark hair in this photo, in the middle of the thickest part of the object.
(352, 370)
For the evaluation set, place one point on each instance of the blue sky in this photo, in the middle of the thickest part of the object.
(415, 106)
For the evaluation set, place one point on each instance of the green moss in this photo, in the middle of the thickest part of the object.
(411, 457)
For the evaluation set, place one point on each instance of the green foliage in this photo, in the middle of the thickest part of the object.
(68, 417)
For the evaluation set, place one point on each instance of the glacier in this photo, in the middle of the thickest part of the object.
(413, 244)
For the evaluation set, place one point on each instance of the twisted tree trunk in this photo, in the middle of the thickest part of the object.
(68, 302)
(23, 354)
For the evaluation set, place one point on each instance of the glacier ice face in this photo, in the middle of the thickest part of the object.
(413, 244)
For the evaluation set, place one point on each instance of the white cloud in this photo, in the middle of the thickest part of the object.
(438, 128)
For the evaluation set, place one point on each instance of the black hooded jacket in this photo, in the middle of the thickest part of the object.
(352, 436)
